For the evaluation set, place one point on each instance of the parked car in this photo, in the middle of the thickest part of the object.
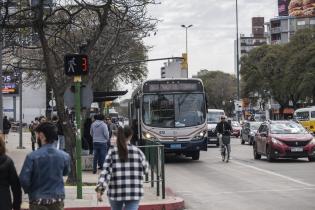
(283, 139)
(236, 129)
(249, 131)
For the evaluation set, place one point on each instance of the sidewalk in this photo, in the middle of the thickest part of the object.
(89, 201)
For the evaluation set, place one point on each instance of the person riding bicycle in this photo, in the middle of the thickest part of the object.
(224, 130)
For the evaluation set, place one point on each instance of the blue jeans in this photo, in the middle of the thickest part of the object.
(100, 151)
(129, 205)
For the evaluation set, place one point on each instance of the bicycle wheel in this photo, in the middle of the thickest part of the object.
(223, 153)
(227, 158)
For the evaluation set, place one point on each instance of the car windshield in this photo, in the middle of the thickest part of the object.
(254, 125)
(236, 124)
(174, 110)
(214, 117)
(287, 128)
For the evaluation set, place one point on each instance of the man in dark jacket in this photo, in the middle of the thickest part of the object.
(224, 130)
(43, 170)
(8, 179)
(6, 127)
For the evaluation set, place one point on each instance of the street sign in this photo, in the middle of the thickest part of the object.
(76, 64)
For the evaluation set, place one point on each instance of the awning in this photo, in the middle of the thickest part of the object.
(107, 96)
(288, 111)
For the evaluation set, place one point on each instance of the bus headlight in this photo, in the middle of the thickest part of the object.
(200, 136)
(148, 136)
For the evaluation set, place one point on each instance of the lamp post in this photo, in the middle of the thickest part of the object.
(186, 28)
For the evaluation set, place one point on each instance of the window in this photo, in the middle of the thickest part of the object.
(301, 22)
(312, 22)
(313, 114)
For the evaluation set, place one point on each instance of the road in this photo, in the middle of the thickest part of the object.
(243, 183)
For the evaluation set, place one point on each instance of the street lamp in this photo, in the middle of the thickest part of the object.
(186, 27)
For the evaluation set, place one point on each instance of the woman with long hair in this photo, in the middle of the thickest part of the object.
(123, 174)
(9, 182)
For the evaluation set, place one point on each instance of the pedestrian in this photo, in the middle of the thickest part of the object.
(43, 170)
(8, 180)
(60, 143)
(87, 135)
(100, 135)
(6, 128)
(123, 174)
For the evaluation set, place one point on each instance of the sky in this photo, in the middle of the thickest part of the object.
(211, 39)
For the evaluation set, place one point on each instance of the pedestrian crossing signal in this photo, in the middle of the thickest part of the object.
(76, 64)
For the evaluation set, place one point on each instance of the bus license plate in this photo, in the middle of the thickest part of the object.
(297, 149)
(176, 146)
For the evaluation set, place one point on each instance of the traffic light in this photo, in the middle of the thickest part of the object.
(76, 64)
(184, 63)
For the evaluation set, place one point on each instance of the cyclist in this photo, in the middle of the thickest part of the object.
(224, 130)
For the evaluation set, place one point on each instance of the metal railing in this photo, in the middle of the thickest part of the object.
(154, 153)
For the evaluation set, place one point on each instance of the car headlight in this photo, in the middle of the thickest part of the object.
(312, 142)
(275, 141)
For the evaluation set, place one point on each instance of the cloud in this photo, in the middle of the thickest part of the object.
(211, 39)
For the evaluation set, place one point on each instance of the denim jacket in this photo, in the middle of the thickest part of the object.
(42, 173)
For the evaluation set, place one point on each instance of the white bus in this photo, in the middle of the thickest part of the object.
(173, 113)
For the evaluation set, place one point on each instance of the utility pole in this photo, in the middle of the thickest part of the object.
(77, 82)
(1, 83)
(237, 59)
(20, 108)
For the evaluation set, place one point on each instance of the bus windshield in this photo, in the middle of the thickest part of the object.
(174, 110)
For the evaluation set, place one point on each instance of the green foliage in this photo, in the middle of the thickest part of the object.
(286, 72)
(221, 90)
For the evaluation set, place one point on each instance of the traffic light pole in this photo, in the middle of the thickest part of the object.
(77, 82)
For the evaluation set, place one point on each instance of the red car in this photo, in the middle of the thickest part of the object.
(283, 139)
(236, 129)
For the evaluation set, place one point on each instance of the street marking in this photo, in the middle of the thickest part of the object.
(274, 174)
(257, 191)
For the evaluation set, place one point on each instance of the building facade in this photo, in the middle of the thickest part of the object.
(281, 29)
(173, 69)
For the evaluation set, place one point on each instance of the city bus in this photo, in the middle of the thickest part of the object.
(306, 116)
(173, 113)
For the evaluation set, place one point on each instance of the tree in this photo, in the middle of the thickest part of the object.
(105, 31)
(285, 72)
(221, 90)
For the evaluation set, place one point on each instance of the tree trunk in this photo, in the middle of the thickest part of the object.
(69, 134)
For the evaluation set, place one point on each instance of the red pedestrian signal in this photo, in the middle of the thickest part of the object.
(76, 64)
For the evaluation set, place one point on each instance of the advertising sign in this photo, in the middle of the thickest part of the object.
(296, 8)
(283, 7)
(10, 83)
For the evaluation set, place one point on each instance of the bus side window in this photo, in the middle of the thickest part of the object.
(313, 114)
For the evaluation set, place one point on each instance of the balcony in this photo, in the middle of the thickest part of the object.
(275, 30)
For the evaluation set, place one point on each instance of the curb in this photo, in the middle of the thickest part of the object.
(176, 204)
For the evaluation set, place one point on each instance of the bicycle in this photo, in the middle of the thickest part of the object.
(225, 148)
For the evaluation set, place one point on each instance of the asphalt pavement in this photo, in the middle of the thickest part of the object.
(243, 183)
